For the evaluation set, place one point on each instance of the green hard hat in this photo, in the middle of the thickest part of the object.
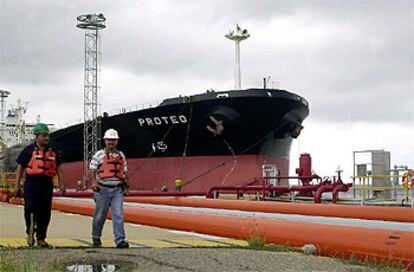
(40, 128)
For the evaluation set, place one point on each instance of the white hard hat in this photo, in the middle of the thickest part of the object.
(111, 134)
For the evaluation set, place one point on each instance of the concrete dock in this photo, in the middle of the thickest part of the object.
(72, 230)
(152, 249)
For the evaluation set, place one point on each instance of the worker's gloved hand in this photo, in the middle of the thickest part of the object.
(95, 187)
(125, 188)
(19, 193)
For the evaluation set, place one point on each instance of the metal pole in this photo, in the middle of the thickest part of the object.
(353, 177)
(237, 36)
(237, 73)
(363, 191)
(91, 23)
(395, 181)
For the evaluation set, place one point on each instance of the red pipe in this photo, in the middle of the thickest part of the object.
(307, 188)
(293, 177)
(336, 190)
(167, 193)
(322, 189)
(339, 241)
(346, 211)
(74, 194)
(319, 188)
(132, 193)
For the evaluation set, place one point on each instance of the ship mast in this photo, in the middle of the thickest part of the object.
(3, 95)
(237, 36)
(91, 23)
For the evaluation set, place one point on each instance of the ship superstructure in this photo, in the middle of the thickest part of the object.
(15, 132)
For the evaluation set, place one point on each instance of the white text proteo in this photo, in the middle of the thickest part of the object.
(162, 120)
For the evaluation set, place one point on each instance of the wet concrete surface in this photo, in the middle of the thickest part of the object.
(178, 259)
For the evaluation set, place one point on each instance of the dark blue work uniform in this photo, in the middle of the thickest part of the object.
(38, 193)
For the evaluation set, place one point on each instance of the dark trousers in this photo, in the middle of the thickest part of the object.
(38, 206)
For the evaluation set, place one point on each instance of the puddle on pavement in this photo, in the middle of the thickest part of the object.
(93, 267)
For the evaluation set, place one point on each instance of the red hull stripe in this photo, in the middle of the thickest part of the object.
(151, 174)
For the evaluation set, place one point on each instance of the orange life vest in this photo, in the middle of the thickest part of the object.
(112, 167)
(42, 163)
(407, 176)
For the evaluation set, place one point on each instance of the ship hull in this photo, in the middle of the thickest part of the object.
(224, 138)
(201, 172)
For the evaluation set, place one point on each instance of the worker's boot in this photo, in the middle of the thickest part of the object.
(42, 243)
(96, 242)
(30, 240)
(30, 237)
(123, 244)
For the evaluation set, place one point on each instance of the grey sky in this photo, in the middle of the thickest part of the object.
(344, 56)
(353, 60)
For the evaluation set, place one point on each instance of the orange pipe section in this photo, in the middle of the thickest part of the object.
(331, 210)
(338, 241)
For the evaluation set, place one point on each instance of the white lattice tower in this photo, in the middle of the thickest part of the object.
(91, 23)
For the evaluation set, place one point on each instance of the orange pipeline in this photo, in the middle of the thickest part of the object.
(331, 210)
(339, 241)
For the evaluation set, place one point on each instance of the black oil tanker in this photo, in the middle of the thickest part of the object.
(213, 138)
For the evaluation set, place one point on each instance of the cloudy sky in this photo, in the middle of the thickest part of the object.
(352, 60)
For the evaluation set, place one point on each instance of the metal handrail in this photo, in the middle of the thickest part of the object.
(366, 182)
(367, 187)
(117, 111)
(384, 176)
(7, 180)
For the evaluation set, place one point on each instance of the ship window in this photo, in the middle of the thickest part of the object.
(223, 95)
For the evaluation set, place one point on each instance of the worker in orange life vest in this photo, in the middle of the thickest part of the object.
(109, 181)
(40, 163)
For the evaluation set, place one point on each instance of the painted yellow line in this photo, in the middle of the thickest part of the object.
(202, 243)
(157, 243)
(65, 243)
(234, 242)
(175, 242)
(199, 243)
(13, 242)
(153, 243)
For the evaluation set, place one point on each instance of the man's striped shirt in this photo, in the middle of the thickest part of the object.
(97, 161)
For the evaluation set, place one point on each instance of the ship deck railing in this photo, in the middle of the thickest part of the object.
(391, 188)
(8, 181)
(117, 111)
